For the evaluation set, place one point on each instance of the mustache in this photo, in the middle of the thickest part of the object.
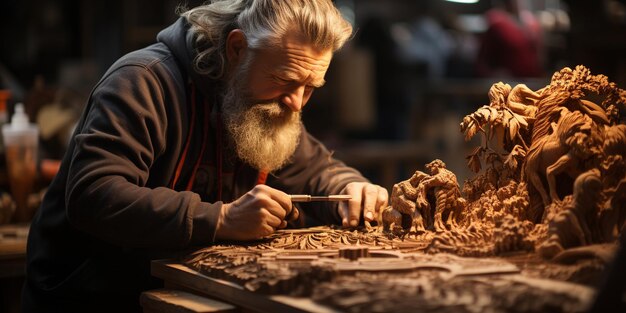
(272, 109)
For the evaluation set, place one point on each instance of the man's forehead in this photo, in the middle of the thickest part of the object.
(302, 56)
(299, 46)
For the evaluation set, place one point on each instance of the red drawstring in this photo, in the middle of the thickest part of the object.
(205, 134)
(219, 157)
(262, 178)
(181, 161)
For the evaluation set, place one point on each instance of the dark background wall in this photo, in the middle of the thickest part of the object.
(380, 87)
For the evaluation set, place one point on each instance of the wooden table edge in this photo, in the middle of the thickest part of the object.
(174, 272)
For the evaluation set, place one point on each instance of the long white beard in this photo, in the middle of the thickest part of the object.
(265, 135)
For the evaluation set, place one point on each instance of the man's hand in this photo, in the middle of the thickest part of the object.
(256, 214)
(367, 198)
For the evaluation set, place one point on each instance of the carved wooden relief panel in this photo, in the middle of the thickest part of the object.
(532, 231)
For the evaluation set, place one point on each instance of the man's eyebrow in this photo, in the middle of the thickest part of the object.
(295, 77)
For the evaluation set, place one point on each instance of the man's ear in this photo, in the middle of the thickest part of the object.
(236, 45)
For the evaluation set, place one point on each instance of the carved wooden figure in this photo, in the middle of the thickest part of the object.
(404, 199)
(570, 148)
(448, 200)
(577, 223)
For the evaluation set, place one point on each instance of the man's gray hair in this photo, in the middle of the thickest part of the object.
(264, 23)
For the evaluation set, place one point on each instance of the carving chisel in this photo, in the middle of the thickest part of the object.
(309, 198)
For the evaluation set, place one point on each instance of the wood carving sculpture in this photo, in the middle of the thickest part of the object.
(537, 147)
(550, 186)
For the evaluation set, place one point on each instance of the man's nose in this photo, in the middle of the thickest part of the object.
(295, 99)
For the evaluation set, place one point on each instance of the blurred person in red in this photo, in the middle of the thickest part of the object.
(512, 43)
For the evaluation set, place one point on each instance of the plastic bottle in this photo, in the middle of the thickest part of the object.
(4, 96)
(21, 143)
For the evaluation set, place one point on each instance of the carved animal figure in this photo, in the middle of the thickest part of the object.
(618, 205)
(576, 225)
(575, 139)
(448, 200)
(615, 140)
(392, 221)
(613, 164)
(403, 201)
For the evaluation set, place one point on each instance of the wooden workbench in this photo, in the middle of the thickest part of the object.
(12, 265)
(180, 277)
(334, 270)
(13, 249)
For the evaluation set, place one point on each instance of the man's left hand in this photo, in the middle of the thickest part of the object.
(367, 198)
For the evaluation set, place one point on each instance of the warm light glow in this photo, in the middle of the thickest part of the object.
(463, 1)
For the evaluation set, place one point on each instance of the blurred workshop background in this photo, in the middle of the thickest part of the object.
(395, 94)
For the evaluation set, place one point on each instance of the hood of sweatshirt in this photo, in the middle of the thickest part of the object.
(180, 40)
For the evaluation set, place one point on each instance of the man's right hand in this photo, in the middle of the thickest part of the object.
(256, 214)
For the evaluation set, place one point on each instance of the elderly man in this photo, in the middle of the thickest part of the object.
(192, 140)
